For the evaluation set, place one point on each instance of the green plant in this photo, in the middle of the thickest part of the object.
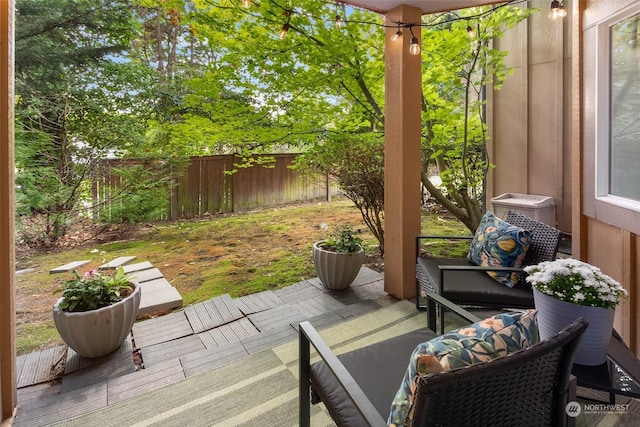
(575, 282)
(342, 240)
(356, 163)
(93, 290)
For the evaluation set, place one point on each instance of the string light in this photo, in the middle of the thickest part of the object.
(285, 27)
(397, 35)
(557, 10)
(284, 30)
(246, 4)
(414, 47)
(470, 31)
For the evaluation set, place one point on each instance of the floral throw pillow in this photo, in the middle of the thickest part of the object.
(488, 339)
(499, 244)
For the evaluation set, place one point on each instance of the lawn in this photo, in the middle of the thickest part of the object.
(237, 254)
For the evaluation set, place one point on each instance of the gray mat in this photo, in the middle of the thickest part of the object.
(258, 390)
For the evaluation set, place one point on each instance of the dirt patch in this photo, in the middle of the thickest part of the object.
(202, 258)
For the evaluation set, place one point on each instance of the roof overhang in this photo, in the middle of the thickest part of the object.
(426, 6)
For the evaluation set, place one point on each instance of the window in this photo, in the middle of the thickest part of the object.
(618, 116)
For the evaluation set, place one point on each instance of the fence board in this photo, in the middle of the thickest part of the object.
(204, 187)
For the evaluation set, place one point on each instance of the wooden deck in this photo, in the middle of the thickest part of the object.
(187, 342)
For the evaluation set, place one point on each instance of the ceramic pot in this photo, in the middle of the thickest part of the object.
(553, 315)
(96, 333)
(336, 270)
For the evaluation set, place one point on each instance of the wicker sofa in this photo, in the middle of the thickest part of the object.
(465, 283)
(358, 387)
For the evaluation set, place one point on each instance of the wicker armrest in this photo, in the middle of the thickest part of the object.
(309, 336)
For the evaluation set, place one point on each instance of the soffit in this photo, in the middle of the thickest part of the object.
(426, 6)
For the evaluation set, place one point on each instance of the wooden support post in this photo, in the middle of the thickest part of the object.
(8, 390)
(402, 155)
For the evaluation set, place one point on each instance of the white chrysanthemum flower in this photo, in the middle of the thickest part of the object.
(575, 281)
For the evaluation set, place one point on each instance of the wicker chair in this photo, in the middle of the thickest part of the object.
(530, 387)
(468, 284)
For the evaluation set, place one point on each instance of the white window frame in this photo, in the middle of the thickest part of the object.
(603, 108)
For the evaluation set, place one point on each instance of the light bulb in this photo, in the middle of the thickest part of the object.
(339, 22)
(562, 12)
(246, 4)
(396, 36)
(470, 32)
(556, 10)
(414, 47)
(284, 30)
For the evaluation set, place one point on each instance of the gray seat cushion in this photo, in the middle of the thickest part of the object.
(379, 386)
(472, 287)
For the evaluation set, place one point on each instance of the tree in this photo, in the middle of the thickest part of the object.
(322, 78)
(458, 63)
(78, 99)
(260, 93)
(356, 163)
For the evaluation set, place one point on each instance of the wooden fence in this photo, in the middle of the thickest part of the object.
(205, 186)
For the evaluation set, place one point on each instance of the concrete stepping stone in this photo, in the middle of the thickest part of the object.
(120, 261)
(68, 267)
(145, 275)
(130, 268)
(158, 295)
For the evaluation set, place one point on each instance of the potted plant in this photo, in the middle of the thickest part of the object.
(566, 289)
(96, 311)
(338, 259)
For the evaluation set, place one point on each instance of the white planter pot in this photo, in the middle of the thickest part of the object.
(336, 270)
(553, 315)
(98, 332)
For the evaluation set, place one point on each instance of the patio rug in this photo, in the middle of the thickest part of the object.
(258, 390)
(262, 390)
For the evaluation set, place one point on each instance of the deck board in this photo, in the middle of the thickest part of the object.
(227, 308)
(261, 301)
(212, 313)
(116, 364)
(154, 354)
(276, 317)
(75, 362)
(231, 329)
(161, 329)
(299, 292)
(318, 305)
(206, 360)
(49, 410)
(268, 339)
(230, 332)
(35, 368)
(144, 381)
